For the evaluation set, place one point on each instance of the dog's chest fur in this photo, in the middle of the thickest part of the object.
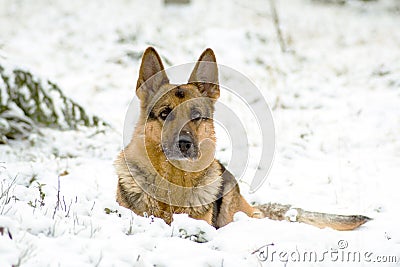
(144, 191)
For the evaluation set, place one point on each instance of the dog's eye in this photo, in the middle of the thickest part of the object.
(164, 113)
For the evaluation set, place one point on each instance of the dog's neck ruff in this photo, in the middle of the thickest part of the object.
(149, 182)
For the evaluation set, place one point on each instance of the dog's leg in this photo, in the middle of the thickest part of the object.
(206, 216)
(281, 212)
(251, 211)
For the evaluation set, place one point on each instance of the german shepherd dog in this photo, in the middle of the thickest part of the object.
(169, 166)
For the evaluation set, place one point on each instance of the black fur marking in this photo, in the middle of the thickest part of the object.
(228, 183)
(218, 203)
(179, 93)
(152, 116)
(217, 207)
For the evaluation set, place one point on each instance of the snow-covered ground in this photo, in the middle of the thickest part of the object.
(336, 102)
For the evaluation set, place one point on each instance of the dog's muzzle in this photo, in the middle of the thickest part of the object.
(184, 147)
(187, 147)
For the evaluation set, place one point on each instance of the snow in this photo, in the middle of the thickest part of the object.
(292, 215)
(335, 102)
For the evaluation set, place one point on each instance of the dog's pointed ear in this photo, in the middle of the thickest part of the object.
(205, 74)
(151, 75)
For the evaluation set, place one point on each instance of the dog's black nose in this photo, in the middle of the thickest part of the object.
(186, 146)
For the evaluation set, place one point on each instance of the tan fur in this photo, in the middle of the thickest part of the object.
(152, 183)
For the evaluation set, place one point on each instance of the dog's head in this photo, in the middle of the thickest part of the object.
(178, 119)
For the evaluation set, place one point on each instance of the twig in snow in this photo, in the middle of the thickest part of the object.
(275, 18)
(94, 203)
(69, 208)
(58, 198)
(65, 204)
(25, 254)
(5, 197)
(6, 191)
(99, 260)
